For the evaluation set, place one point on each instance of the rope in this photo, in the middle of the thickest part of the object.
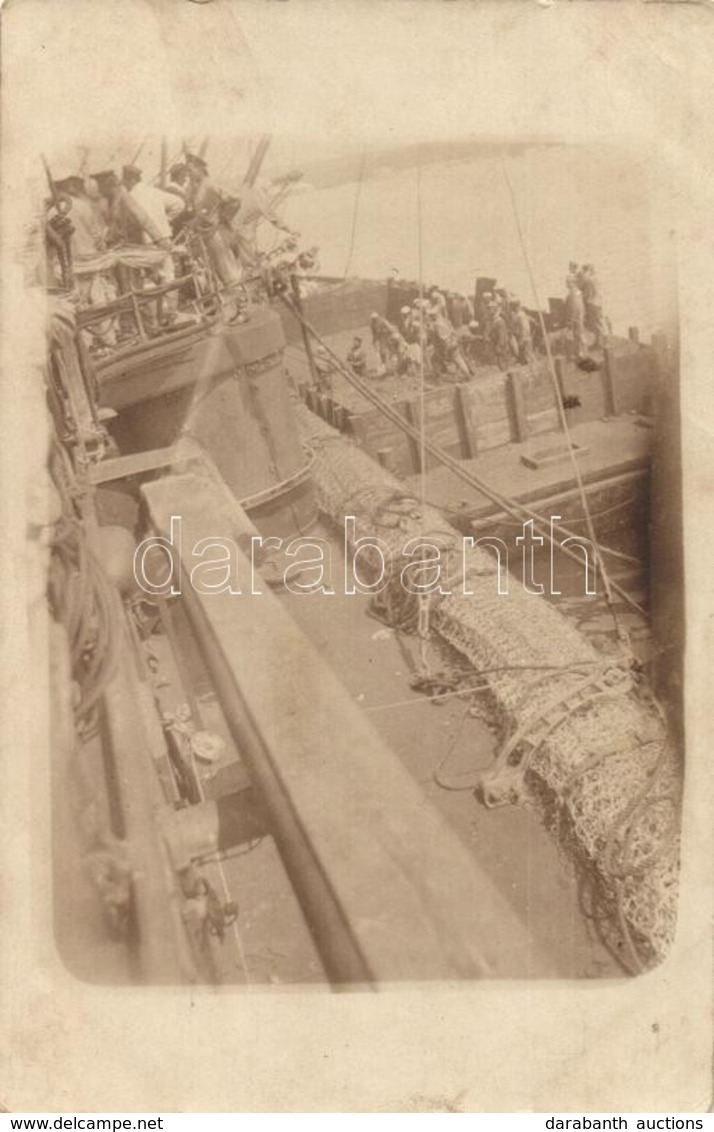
(450, 784)
(621, 632)
(478, 688)
(355, 211)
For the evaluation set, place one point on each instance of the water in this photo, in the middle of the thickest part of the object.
(592, 205)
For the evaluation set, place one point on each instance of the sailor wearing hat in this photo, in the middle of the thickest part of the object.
(161, 208)
(357, 359)
(159, 205)
(205, 199)
(87, 239)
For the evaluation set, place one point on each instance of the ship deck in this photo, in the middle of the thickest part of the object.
(610, 448)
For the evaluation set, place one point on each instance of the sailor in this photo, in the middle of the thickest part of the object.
(127, 220)
(380, 332)
(471, 343)
(129, 224)
(417, 338)
(161, 207)
(487, 312)
(445, 344)
(324, 366)
(205, 199)
(575, 315)
(573, 278)
(437, 302)
(58, 233)
(522, 331)
(398, 351)
(94, 284)
(304, 266)
(177, 186)
(99, 206)
(356, 359)
(461, 312)
(594, 317)
(500, 338)
(87, 239)
(177, 182)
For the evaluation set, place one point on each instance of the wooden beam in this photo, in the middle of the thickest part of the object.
(137, 462)
(518, 406)
(609, 382)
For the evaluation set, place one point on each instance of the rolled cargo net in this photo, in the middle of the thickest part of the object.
(580, 730)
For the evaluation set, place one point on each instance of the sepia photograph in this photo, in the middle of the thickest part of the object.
(366, 624)
(358, 473)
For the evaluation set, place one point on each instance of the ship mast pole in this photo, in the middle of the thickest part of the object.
(257, 160)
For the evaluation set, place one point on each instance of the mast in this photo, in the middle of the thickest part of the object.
(257, 160)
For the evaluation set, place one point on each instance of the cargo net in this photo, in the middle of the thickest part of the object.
(580, 729)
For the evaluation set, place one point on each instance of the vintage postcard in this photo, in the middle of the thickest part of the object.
(356, 451)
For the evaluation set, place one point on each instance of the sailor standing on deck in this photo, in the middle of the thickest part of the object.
(128, 221)
(356, 359)
(206, 201)
(594, 317)
(575, 312)
(161, 207)
(380, 333)
(86, 241)
(437, 303)
(177, 186)
(461, 312)
(471, 344)
(522, 331)
(500, 338)
(87, 238)
(94, 287)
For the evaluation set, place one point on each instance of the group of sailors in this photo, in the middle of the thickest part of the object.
(451, 334)
(152, 228)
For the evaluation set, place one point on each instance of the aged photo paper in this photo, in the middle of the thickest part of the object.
(356, 466)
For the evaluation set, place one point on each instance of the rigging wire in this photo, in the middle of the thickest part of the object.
(355, 211)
